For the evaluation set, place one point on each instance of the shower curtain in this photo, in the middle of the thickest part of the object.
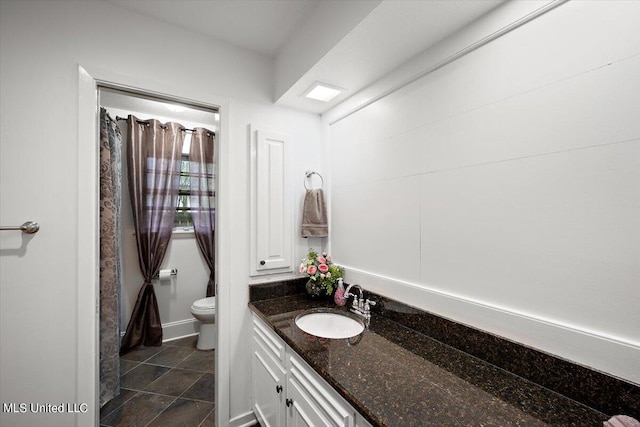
(154, 153)
(201, 172)
(110, 267)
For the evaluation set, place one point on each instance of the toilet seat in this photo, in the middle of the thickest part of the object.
(205, 304)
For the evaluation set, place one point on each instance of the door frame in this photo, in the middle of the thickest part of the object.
(88, 236)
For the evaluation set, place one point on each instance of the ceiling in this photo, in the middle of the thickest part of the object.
(346, 43)
(258, 25)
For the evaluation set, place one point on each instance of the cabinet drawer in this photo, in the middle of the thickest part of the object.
(333, 407)
(268, 339)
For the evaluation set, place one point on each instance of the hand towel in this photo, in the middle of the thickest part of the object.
(621, 421)
(314, 214)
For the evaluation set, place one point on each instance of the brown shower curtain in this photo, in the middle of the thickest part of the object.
(154, 153)
(201, 172)
(110, 267)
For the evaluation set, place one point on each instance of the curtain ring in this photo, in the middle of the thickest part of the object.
(308, 175)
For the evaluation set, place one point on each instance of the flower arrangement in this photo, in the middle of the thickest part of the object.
(323, 273)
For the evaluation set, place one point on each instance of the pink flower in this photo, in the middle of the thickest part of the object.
(303, 268)
(322, 260)
(323, 268)
(311, 270)
(328, 259)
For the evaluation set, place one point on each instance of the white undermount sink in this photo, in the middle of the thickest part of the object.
(328, 323)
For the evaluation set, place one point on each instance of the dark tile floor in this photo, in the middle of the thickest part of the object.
(171, 385)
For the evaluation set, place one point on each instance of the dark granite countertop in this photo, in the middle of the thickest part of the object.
(397, 377)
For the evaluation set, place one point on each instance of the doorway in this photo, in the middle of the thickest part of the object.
(175, 362)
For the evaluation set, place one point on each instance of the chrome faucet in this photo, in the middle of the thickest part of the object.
(359, 305)
(356, 305)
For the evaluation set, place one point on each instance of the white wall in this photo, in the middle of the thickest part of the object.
(41, 46)
(304, 135)
(503, 190)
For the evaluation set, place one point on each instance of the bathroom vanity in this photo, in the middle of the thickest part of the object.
(288, 392)
(393, 375)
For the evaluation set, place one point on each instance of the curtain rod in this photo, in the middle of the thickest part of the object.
(163, 126)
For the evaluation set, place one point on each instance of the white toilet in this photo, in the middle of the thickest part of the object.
(205, 311)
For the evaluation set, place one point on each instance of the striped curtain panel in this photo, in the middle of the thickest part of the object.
(202, 199)
(154, 152)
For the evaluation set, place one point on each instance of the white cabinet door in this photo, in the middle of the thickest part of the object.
(272, 214)
(268, 389)
(269, 376)
(317, 396)
(301, 411)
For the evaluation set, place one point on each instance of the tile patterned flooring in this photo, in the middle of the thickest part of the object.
(171, 385)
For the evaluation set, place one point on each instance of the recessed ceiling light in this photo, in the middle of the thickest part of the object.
(322, 92)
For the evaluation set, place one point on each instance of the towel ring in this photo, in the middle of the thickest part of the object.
(308, 175)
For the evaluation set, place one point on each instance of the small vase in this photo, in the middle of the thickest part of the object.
(314, 290)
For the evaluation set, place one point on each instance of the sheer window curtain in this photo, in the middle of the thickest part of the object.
(153, 158)
(110, 266)
(201, 172)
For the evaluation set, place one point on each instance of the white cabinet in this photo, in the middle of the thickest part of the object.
(272, 227)
(269, 376)
(287, 392)
(301, 412)
(321, 404)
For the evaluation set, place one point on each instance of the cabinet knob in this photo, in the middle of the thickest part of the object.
(278, 389)
(263, 262)
(289, 402)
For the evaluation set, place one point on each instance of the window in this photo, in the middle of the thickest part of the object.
(183, 215)
(182, 220)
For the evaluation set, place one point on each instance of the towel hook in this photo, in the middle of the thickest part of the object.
(308, 175)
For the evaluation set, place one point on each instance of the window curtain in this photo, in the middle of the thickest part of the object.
(110, 267)
(202, 199)
(153, 159)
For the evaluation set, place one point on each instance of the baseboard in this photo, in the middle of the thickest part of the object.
(612, 355)
(175, 330)
(244, 420)
(179, 329)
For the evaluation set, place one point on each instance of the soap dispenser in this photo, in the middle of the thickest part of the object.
(338, 297)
